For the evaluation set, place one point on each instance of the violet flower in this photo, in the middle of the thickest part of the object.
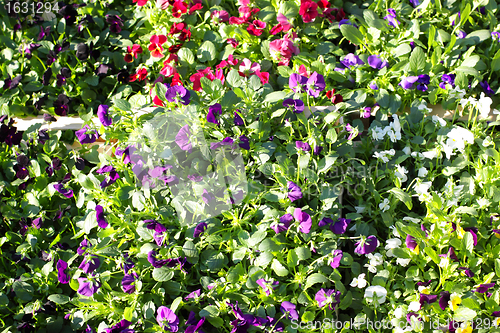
(67, 192)
(199, 229)
(109, 179)
(351, 60)
(327, 296)
(193, 295)
(167, 319)
(424, 298)
(182, 139)
(302, 145)
(178, 93)
(447, 79)
(340, 227)
(101, 221)
(128, 283)
(86, 135)
(284, 223)
(484, 287)
(65, 73)
(288, 308)
(315, 84)
(295, 192)
(121, 327)
(88, 287)
(296, 105)
(62, 274)
(103, 115)
(444, 299)
(296, 82)
(373, 86)
(337, 257)
(391, 18)
(305, 222)
(84, 244)
(265, 285)
(238, 121)
(495, 35)
(486, 88)
(213, 110)
(411, 242)
(423, 81)
(408, 82)
(244, 142)
(461, 34)
(366, 246)
(317, 150)
(467, 271)
(195, 327)
(226, 142)
(375, 62)
(90, 263)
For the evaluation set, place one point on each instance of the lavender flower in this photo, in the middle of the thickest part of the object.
(375, 62)
(302, 145)
(328, 297)
(88, 287)
(284, 223)
(167, 319)
(288, 308)
(103, 115)
(366, 246)
(351, 60)
(305, 222)
(182, 139)
(295, 192)
(315, 84)
(296, 82)
(62, 274)
(85, 135)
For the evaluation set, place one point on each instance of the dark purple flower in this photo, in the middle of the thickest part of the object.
(302, 145)
(375, 62)
(86, 135)
(337, 257)
(447, 78)
(110, 178)
(373, 86)
(121, 327)
(28, 50)
(340, 227)
(40, 102)
(213, 110)
(101, 221)
(84, 244)
(61, 105)
(412, 314)
(304, 219)
(82, 51)
(423, 81)
(156, 226)
(12, 83)
(103, 115)
(467, 271)
(346, 21)
(391, 18)
(62, 274)
(296, 105)
(195, 327)
(167, 319)
(244, 142)
(415, 3)
(182, 139)
(238, 121)
(69, 13)
(128, 283)
(294, 191)
(115, 23)
(315, 84)
(21, 168)
(407, 82)
(199, 229)
(43, 136)
(283, 224)
(65, 73)
(43, 32)
(444, 299)
(317, 150)
(351, 60)
(89, 329)
(49, 118)
(226, 142)
(87, 287)
(51, 57)
(367, 246)
(424, 298)
(123, 76)
(89, 264)
(178, 93)
(296, 82)
(486, 88)
(67, 192)
(288, 308)
(328, 297)
(411, 242)
(484, 287)
(325, 221)
(461, 34)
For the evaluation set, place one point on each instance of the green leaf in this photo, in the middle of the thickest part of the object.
(278, 268)
(495, 63)
(163, 274)
(468, 242)
(432, 254)
(470, 61)
(123, 104)
(417, 60)
(402, 196)
(352, 34)
(23, 290)
(326, 163)
(254, 83)
(274, 97)
(161, 91)
(315, 278)
(331, 135)
(464, 314)
(207, 51)
(210, 311)
(400, 253)
(402, 50)
(186, 56)
(497, 265)
(128, 313)
(59, 299)
(303, 253)
(346, 301)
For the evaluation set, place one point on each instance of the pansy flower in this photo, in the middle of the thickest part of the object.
(128, 282)
(375, 62)
(297, 82)
(302, 145)
(132, 52)
(140, 75)
(178, 94)
(156, 45)
(103, 115)
(308, 10)
(315, 84)
(340, 227)
(337, 257)
(86, 135)
(182, 139)
(392, 18)
(484, 287)
(90, 263)
(193, 295)
(87, 287)
(178, 8)
(447, 79)
(289, 309)
(334, 98)
(61, 105)
(408, 82)
(267, 286)
(283, 224)
(140, 3)
(295, 192)
(304, 219)
(111, 177)
(167, 319)
(47, 75)
(62, 273)
(366, 246)
(115, 23)
(121, 327)
(101, 221)
(256, 27)
(194, 327)
(67, 192)
(328, 297)
(244, 142)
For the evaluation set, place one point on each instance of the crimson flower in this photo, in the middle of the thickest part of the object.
(256, 28)
(133, 51)
(308, 10)
(140, 3)
(179, 8)
(155, 46)
(141, 75)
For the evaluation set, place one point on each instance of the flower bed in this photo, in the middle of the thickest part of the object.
(220, 202)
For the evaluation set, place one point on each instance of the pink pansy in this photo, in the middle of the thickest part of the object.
(167, 70)
(256, 28)
(247, 67)
(284, 22)
(263, 76)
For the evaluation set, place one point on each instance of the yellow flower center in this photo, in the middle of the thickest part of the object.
(455, 301)
(460, 232)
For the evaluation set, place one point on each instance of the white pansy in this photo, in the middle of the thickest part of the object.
(422, 172)
(359, 282)
(484, 105)
(380, 156)
(414, 306)
(445, 262)
(430, 154)
(392, 243)
(392, 136)
(424, 108)
(488, 142)
(483, 203)
(395, 231)
(495, 111)
(403, 262)
(359, 209)
(376, 259)
(437, 119)
(399, 313)
(457, 93)
(401, 173)
(417, 155)
(376, 292)
(407, 150)
(411, 219)
(384, 205)
(422, 187)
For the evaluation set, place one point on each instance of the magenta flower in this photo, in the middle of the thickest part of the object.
(62, 274)
(337, 257)
(302, 145)
(84, 244)
(101, 221)
(411, 242)
(284, 223)
(103, 115)
(305, 222)
(182, 139)
(288, 308)
(328, 296)
(295, 192)
(265, 285)
(85, 135)
(366, 246)
(167, 319)
(467, 271)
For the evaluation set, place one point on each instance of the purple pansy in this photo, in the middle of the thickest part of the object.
(84, 244)
(121, 327)
(265, 285)
(89, 263)
(294, 191)
(367, 246)
(226, 142)
(199, 229)
(182, 139)
(304, 219)
(85, 135)
(101, 221)
(408, 82)
(238, 121)
(67, 192)
(486, 88)
(302, 145)
(423, 81)
(194, 294)
(178, 93)
(167, 319)
(87, 287)
(484, 287)
(424, 298)
(392, 18)
(315, 84)
(415, 3)
(110, 178)
(340, 227)
(351, 60)
(288, 308)
(447, 79)
(337, 257)
(195, 327)
(103, 115)
(411, 242)
(213, 110)
(62, 274)
(328, 296)
(296, 105)
(444, 299)
(375, 62)
(461, 34)
(317, 150)
(283, 224)
(244, 142)
(467, 271)
(296, 82)
(373, 86)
